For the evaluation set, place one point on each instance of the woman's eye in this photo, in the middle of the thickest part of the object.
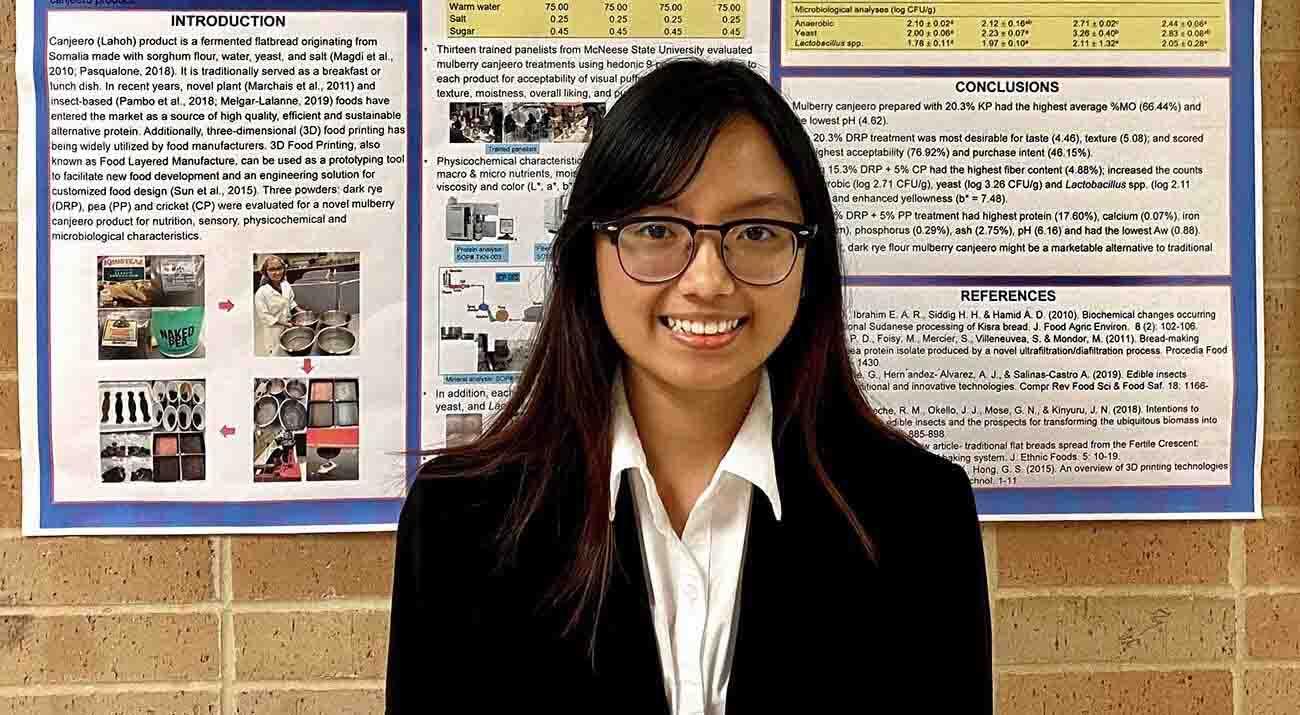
(656, 231)
(756, 233)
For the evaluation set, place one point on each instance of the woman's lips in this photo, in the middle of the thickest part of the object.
(705, 342)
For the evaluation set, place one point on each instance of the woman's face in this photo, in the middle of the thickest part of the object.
(275, 271)
(742, 176)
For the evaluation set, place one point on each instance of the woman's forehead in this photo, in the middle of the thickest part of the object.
(742, 199)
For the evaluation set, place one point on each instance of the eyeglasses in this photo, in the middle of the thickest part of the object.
(657, 249)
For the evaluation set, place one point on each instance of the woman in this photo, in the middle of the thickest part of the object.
(274, 305)
(686, 505)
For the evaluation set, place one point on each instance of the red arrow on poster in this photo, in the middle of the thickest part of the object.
(306, 365)
(226, 305)
(227, 430)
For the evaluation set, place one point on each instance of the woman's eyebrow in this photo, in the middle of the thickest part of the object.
(773, 200)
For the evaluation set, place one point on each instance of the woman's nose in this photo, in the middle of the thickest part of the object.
(707, 275)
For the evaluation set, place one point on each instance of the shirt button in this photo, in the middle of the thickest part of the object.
(691, 592)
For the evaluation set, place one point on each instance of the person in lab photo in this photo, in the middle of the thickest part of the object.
(273, 304)
(457, 135)
(687, 503)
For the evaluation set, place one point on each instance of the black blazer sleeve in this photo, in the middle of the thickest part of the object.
(949, 616)
(435, 647)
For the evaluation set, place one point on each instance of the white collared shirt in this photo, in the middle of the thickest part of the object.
(695, 579)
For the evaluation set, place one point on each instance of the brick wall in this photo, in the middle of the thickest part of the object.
(1098, 619)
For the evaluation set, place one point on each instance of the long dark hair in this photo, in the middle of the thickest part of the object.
(555, 429)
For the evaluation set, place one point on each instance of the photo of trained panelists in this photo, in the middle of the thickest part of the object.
(152, 431)
(307, 304)
(306, 428)
(475, 123)
(149, 307)
(558, 122)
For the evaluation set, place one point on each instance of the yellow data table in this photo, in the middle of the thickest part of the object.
(827, 25)
(597, 19)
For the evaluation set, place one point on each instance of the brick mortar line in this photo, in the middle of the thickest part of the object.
(332, 605)
(1117, 591)
(8, 295)
(227, 634)
(201, 607)
(11, 455)
(1273, 590)
(1251, 664)
(153, 609)
(1220, 592)
(1279, 56)
(1100, 666)
(1237, 577)
(1272, 664)
(9, 375)
(1281, 511)
(162, 686)
(320, 686)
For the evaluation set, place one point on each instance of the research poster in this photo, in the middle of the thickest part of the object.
(269, 251)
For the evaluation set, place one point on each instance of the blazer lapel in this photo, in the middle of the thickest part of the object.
(627, 651)
(800, 583)
(762, 602)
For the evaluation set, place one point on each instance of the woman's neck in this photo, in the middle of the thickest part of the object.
(685, 434)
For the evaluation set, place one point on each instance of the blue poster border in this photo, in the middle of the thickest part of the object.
(230, 516)
(1239, 497)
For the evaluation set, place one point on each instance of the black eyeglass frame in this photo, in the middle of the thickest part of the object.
(803, 232)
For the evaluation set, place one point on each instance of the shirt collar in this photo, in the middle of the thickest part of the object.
(750, 456)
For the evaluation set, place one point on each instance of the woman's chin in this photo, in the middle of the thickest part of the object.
(699, 375)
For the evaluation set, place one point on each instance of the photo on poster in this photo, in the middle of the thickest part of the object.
(149, 307)
(477, 221)
(152, 431)
(487, 317)
(463, 428)
(306, 429)
(307, 304)
(475, 123)
(558, 122)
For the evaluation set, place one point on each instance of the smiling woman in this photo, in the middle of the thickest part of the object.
(687, 504)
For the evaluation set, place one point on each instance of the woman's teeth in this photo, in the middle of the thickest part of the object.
(695, 327)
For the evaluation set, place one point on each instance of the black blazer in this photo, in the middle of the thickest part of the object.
(820, 629)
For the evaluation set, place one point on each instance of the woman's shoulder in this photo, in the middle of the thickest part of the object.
(911, 460)
(439, 492)
(916, 503)
(445, 509)
(894, 473)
